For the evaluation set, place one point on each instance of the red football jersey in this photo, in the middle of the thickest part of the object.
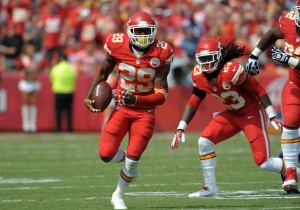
(137, 73)
(227, 89)
(292, 42)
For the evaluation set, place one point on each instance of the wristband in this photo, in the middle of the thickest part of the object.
(182, 125)
(293, 62)
(253, 57)
(270, 112)
(256, 52)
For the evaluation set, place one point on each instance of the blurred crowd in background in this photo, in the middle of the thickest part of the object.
(35, 33)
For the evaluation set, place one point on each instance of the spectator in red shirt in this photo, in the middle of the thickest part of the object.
(52, 24)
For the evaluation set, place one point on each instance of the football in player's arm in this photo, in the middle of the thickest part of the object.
(289, 30)
(143, 64)
(247, 106)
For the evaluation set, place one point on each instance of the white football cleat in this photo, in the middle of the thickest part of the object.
(205, 192)
(118, 202)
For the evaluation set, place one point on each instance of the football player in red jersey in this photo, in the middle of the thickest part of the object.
(247, 108)
(289, 30)
(143, 64)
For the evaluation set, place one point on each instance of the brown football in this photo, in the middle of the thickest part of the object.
(102, 94)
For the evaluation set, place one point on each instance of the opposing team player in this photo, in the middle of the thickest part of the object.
(143, 64)
(289, 30)
(247, 108)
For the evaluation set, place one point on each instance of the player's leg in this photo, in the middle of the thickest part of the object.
(256, 133)
(109, 146)
(112, 136)
(290, 138)
(220, 128)
(282, 175)
(140, 133)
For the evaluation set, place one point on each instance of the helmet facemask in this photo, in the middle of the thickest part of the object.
(297, 15)
(142, 35)
(208, 61)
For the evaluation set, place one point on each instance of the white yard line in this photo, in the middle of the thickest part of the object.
(225, 195)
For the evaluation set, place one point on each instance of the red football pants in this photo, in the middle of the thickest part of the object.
(226, 124)
(138, 122)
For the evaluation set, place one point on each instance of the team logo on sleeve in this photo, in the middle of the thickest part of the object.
(226, 85)
(154, 62)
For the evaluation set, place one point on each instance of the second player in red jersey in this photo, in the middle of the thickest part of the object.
(142, 63)
(248, 106)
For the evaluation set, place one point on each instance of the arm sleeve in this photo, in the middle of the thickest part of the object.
(157, 98)
(196, 98)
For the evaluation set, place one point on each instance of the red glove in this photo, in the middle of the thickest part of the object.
(179, 136)
(276, 123)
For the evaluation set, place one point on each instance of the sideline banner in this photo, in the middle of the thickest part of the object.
(167, 115)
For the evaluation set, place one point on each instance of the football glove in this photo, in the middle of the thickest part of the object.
(123, 98)
(252, 65)
(279, 55)
(276, 123)
(179, 136)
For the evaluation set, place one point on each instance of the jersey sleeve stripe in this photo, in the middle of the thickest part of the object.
(106, 49)
(170, 59)
(161, 90)
(237, 74)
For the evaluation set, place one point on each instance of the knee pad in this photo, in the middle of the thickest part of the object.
(205, 146)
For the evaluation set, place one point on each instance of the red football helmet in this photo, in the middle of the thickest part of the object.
(208, 55)
(297, 13)
(141, 28)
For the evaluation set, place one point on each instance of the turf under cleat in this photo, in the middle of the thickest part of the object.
(118, 202)
(290, 183)
(205, 192)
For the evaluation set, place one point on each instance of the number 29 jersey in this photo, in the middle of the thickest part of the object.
(137, 73)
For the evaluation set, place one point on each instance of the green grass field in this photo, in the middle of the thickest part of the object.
(63, 171)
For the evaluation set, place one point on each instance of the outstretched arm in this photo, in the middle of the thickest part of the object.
(187, 116)
(266, 41)
(281, 56)
(253, 86)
